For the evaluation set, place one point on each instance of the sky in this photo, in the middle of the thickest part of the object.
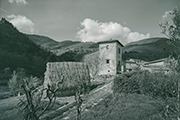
(88, 20)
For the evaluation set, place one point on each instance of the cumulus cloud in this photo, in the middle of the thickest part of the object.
(19, 2)
(22, 23)
(97, 31)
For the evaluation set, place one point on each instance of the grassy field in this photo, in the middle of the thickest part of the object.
(10, 111)
(117, 107)
(139, 95)
(124, 107)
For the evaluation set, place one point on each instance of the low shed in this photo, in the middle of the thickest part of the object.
(69, 75)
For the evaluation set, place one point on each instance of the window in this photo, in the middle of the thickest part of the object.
(119, 50)
(107, 46)
(108, 70)
(107, 61)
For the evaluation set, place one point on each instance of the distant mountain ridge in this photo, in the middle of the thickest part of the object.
(60, 48)
(150, 49)
(146, 41)
(44, 42)
(48, 43)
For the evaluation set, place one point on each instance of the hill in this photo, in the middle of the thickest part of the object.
(50, 44)
(79, 47)
(61, 48)
(32, 52)
(44, 42)
(149, 49)
(66, 50)
(18, 51)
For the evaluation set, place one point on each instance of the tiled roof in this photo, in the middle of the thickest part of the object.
(111, 41)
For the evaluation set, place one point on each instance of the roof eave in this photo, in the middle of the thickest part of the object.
(111, 41)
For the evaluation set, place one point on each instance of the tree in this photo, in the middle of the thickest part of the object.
(171, 28)
(78, 102)
(15, 82)
(12, 84)
(32, 106)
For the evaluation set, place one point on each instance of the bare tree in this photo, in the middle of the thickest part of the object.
(78, 103)
(32, 107)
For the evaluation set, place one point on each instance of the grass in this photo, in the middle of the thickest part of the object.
(124, 107)
(10, 111)
(138, 96)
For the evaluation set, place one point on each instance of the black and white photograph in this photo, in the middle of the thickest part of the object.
(89, 59)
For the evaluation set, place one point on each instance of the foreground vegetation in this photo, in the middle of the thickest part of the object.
(139, 96)
(10, 111)
(124, 107)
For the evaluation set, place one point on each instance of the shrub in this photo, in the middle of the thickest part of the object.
(158, 85)
(15, 83)
(144, 82)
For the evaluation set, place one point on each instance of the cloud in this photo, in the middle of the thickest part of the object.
(97, 31)
(22, 23)
(19, 2)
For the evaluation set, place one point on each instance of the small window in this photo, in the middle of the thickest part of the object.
(107, 46)
(119, 50)
(107, 61)
(108, 70)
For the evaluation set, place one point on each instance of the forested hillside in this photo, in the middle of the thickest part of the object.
(17, 51)
(150, 49)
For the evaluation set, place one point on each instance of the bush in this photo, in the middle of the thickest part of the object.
(144, 82)
(16, 81)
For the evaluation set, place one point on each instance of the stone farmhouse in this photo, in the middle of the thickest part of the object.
(156, 66)
(110, 57)
(111, 61)
(152, 66)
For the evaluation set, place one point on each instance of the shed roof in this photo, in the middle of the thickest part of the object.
(71, 74)
(111, 41)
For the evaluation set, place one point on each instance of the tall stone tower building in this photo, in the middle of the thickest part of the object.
(110, 57)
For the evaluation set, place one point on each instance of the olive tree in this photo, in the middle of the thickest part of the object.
(32, 105)
(171, 28)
